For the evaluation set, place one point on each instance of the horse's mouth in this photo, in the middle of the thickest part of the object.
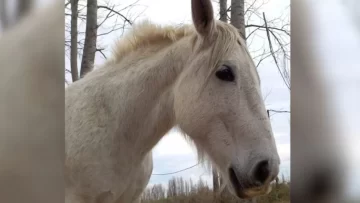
(236, 184)
(247, 193)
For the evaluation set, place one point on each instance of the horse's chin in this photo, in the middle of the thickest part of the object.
(258, 191)
(253, 192)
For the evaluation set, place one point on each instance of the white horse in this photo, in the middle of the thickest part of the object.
(137, 186)
(200, 78)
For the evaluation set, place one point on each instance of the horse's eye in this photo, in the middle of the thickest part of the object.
(225, 73)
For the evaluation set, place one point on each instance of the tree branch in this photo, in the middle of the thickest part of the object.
(112, 30)
(125, 18)
(273, 54)
(252, 32)
(107, 16)
(67, 3)
(101, 52)
(278, 111)
(268, 27)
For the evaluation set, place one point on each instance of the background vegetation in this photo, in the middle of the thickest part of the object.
(179, 190)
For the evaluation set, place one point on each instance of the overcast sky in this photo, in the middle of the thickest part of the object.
(172, 153)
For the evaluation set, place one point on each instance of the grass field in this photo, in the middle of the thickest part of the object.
(180, 191)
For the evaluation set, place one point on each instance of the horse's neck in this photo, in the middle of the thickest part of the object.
(148, 112)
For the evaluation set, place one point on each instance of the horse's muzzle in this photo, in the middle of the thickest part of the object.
(258, 183)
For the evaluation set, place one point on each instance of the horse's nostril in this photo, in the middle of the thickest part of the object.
(262, 171)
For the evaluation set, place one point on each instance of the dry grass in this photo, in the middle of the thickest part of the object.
(179, 191)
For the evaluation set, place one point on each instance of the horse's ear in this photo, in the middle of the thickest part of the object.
(203, 17)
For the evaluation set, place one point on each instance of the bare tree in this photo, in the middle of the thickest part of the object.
(172, 188)
(157, 192)
(88, 57)
(238, 16)
(284, 75)
(223, 11)
(74, 40)
(120, 17)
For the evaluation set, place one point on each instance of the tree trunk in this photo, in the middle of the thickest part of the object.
(88, 58)
(223, 11)
(238, 16)
(74, 39)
